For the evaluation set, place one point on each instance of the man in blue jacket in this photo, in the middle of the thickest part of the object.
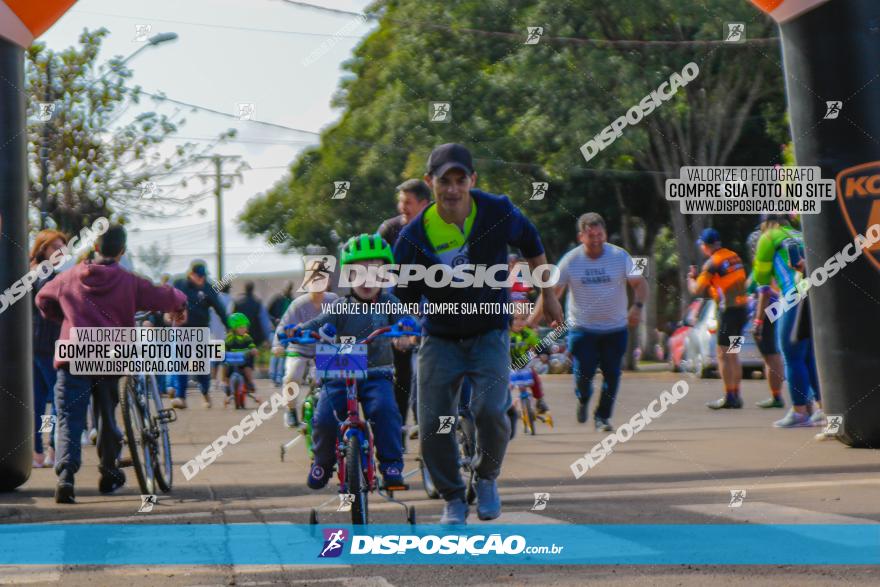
(465, 226)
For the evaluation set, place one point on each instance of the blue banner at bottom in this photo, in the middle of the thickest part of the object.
(289, 544)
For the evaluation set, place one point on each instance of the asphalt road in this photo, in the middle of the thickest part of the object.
(680, 469)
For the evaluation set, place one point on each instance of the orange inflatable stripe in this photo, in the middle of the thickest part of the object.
(39, 15)
(767, 5)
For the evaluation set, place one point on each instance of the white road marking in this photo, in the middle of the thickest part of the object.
(26, 574)
(586, 493)
(511, 518)
(761, 512)
(803, 522)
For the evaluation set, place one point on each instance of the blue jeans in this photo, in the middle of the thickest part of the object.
(443, 365)
(800, 362)
(592, 350)
(179, 382)
(72, 393)
(276, 369)
(376, 394)
(44, 392)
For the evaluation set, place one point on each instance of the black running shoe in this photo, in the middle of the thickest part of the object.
(64, 493)
(111, 480)
(582, 411)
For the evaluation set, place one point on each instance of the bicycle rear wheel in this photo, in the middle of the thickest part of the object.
(466, 432)
(136, 421)
(162, 465)
(356, 481)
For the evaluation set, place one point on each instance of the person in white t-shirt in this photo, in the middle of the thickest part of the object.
(596, 275)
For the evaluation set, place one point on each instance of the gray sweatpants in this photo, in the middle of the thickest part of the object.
(443, 363)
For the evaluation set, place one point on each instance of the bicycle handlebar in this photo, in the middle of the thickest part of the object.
(394, 331)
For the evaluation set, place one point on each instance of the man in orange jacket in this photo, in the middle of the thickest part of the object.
(724, 278)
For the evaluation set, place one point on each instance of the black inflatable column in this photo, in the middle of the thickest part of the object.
(16, 395)
(832, 53)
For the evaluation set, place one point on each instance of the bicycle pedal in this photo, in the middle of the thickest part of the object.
(403, 487)
(167, 415)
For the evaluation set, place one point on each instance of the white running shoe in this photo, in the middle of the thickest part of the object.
(793, 420)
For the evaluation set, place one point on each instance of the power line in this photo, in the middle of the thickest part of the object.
(148, 19)
(324, 8)
(257, 142)
(226, 114)
(616, 43)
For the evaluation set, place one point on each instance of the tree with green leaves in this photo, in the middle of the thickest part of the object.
(525, 110)
(92, 152)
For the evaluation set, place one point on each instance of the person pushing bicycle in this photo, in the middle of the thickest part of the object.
(353, 315)
(96, 293)
(238, 340)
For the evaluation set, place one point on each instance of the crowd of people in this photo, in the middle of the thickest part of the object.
(443, 219)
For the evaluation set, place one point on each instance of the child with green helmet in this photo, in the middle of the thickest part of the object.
(357, 314)
(239, 341)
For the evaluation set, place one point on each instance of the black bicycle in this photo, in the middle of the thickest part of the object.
(146, 431)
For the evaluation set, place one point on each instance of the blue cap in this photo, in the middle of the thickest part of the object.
(709, 236)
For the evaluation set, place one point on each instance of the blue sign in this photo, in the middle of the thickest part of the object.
(341, 361)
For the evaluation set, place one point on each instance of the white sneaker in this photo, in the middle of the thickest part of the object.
(50, 457)
(818, 418)
(179, 403)
(93, 436)
(793, 420)
(84, 439)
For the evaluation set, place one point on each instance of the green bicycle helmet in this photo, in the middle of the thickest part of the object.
(237, 320)
(365, 247)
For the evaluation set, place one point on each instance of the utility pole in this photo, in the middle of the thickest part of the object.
(219, 178)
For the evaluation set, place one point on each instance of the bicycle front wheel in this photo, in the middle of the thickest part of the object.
(236, 384)
(356, 481)
(162, 465)
(136, 420)
(528, 416)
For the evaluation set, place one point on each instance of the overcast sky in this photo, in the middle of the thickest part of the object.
(229, 52)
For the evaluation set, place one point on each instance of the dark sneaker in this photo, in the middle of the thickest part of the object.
(604, 425)
(319, 476)
(541, 406)
(111, 480)
(582, 411)
(392, 479)
(725, 403)
(771, 402)
(291, 420)
(488, 500)
(513, 416)
(64, 493)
